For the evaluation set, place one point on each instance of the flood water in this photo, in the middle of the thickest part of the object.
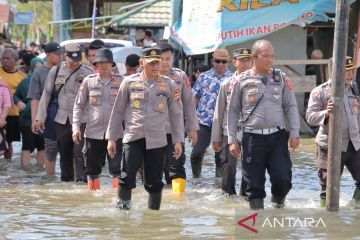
(33, 207)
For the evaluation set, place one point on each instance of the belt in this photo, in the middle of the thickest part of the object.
(264, 131)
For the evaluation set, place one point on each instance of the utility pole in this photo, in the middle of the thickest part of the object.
(337, 94)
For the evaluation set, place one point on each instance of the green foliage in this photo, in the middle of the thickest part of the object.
(42, 14)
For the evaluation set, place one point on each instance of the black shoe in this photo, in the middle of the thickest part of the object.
(124, 198)
(154, 200)
(278, 202)
(256, 203)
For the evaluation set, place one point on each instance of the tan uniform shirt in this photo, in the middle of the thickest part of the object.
(278, 100)
(145, 106)
(219, 125)
(315, 116)
(98, 96)
(67, 94)
(187, 100)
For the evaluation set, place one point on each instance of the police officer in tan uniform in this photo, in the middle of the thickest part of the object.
(174, 168)
(242, 61)
(145, 101)
(260, 99)
(320, 107)
(97, 94)
(67, 83)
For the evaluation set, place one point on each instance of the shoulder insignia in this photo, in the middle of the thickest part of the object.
(176, 93)
(316, 95)
(288, 83)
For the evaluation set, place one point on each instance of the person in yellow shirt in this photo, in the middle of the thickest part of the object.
(12, 77)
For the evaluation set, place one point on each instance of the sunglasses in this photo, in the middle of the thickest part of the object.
(218, 61)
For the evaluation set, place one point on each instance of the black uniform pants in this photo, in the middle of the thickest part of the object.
(203, 142)
(173, 168)
(266, 152)
(135, 153)
(228, 168)
(70, 152)
(350, 159)
(95, 152)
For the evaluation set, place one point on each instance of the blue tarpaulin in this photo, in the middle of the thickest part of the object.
(204, 25)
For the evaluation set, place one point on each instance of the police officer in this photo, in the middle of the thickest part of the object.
(320, 107)
(97, 94)
(260, 98)
(242, 61)
(206, 90)
(67, 83)
(145, 101)
(174, 168)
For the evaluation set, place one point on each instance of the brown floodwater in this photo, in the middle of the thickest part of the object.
(33, 207)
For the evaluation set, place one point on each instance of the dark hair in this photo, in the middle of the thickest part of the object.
(166, 47)
(148, 33)
(202, 68)
(33, 44)
(96, 44)
(132, 60)
(27, 58)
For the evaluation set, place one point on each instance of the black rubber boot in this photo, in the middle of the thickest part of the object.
(124, 198)
(154, 200)
(218, 172)
(256, 203)
(356, 195)
(196, 169)
(278, 202)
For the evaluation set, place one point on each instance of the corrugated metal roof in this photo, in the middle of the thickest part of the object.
(156, 13)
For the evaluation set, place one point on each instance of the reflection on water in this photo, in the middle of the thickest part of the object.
(33, 207)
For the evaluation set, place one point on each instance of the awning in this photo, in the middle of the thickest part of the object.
(205, 25)
(155, 13)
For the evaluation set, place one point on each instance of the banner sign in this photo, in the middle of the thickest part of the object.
(205, 25)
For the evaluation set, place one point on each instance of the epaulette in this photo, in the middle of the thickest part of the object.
(91, 75)
(86, 67)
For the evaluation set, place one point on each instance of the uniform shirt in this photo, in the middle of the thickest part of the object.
(219, 125)
(187, 100)
(144, 106)
(67, 94)
(37, 82)
(12, 80)
(98, 96)
(279, 99)
(315, 116)
(206, 89)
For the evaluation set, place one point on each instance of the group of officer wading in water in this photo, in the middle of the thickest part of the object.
(139, 122)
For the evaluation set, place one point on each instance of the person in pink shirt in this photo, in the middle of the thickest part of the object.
(5, 104)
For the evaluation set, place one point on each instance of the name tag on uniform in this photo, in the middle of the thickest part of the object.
(137, 95)
(162, 86)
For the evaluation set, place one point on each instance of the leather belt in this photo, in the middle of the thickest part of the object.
(264, 131)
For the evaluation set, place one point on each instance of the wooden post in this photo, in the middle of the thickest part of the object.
(337, 94)
(357, 45)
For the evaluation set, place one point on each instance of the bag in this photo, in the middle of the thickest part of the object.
(49, 131)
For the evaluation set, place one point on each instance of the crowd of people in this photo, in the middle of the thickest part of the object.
(88, 113)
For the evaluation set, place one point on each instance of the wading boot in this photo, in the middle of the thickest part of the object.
(115, 182)
(154, 200)
(278, 202)
(218, 172)
(256, 203)
(124, 198)
(93, 182)
(356, 196)
(322, 202)
(196, 169)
